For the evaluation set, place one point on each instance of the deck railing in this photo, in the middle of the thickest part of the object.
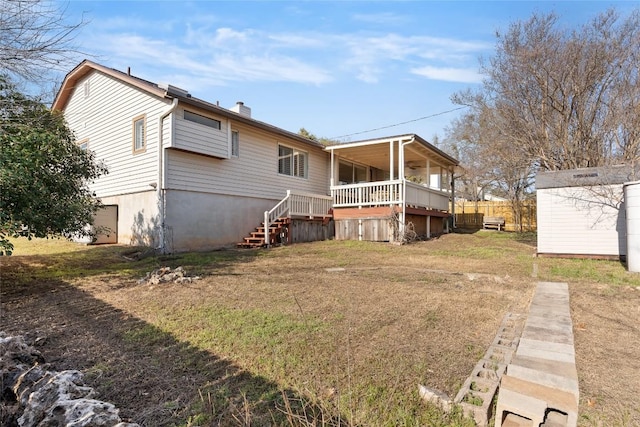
(389, 193)
(367, 194)
(309, 205)
(298, 204)
(425, 197)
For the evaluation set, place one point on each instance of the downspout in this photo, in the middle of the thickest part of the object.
(403, 218)
(161, 185)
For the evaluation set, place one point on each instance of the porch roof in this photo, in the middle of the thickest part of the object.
(375, 152)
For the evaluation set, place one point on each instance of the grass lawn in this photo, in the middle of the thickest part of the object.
(331, 333)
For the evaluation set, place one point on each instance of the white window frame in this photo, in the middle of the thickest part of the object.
(83, 144)
(353, 166)
(292, 157)
(235, 143)
(139, 125)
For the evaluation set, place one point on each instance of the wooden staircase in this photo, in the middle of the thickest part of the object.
(278, 235)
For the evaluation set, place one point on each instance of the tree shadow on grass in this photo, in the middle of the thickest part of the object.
(155, 379)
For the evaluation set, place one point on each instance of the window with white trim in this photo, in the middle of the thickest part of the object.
(292, 162)
(350, 173)
(235, 143)
(203, 120)
(139, 134)
(83, 144)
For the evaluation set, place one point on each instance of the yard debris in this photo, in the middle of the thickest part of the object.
(32, 395)
(166, 275)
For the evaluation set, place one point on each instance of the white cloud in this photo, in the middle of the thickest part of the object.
(460, 75)
(370, 56)
(220, 55)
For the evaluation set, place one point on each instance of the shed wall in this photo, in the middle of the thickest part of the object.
(581, 221)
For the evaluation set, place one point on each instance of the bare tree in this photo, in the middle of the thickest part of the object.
(488, 158)
(464, 141)
(35, 38)
(566, 99)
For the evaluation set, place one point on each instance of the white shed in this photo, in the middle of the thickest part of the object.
(581, 212)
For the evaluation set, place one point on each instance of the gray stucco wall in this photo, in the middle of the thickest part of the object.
(202, 221)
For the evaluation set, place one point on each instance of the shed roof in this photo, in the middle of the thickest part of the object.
(585, 177)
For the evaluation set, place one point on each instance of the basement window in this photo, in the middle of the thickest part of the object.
(197, 118)
(292, 162)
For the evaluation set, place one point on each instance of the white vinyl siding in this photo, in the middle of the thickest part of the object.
(201, 138)
(253, 174)
(105, 118)
(571, 220)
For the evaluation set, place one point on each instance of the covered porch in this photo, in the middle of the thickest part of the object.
(381, 187)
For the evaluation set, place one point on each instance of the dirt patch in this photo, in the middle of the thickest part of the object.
(607, 344)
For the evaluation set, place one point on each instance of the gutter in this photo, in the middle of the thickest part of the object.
(161, 164)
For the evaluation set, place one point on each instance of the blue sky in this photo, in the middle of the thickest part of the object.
(338, 69)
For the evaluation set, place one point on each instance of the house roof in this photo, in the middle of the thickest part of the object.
(604, 175)
(165, 92)
(375, 152)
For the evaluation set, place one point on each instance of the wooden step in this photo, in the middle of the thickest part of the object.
(259, 237)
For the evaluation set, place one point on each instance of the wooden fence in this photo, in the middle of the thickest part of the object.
(470, 214)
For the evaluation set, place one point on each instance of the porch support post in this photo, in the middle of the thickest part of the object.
(428, 173)
(332, 171)
(391, 161)
(428, 226)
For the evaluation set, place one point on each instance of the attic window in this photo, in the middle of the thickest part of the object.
(197, 118)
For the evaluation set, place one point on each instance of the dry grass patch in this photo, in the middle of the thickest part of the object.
(342, 331)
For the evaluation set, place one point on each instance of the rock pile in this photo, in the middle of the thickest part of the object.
(166, 275)
(33, 396)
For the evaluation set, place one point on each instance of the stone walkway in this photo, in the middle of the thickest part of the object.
(540, 387)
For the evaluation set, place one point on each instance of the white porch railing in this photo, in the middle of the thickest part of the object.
(298, 204)
(389, 193)
(425, 197)
(367, 194)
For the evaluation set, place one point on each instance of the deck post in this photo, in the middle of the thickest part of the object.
(453, 202)
(267, 235)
